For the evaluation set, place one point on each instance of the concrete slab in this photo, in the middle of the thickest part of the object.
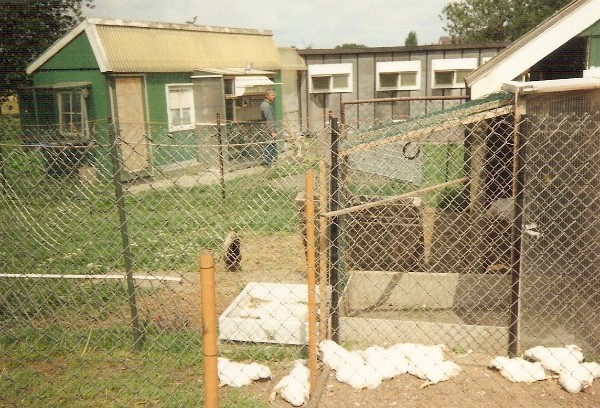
(369, 331)
(367, 289)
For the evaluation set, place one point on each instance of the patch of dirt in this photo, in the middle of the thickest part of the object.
(475, 387)
(280, 258)
(276, 258)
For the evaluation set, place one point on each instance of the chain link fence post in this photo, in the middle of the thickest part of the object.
(334, 231)
(115, 154)
(518, 187)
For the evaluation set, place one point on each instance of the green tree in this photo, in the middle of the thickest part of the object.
(351, 45)
(27, 28)
(474, 21)
(411, 39)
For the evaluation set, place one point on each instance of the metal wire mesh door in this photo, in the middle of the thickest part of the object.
(561, 285)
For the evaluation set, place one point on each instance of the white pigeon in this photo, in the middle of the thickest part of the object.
(555, 358)
(518, 370)
(236, 374)
(400, 361)
(576, 377)
(359, 376)
(593, 367)
(294, 387)
(382, 360)
(434, 372)
(416, 353)
(256, 371)
(335, 356)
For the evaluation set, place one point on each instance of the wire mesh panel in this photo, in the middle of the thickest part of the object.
(560, 247)
(99, 295)
(441, 223)
(441, 239)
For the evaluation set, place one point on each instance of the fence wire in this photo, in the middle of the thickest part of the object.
(442, 229)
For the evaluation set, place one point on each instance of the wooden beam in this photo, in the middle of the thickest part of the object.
(395, 198)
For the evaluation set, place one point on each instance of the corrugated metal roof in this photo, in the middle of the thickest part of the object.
(290, 59)
(149, 49)
(231, 71)
(133, 46)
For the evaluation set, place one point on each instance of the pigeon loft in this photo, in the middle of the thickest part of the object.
(267, 313)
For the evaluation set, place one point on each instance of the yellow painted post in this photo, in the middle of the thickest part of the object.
(209, 328)
(310, 263)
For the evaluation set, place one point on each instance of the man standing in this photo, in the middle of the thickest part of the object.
(267, 111)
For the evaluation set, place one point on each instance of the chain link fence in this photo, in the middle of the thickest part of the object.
(443, 228)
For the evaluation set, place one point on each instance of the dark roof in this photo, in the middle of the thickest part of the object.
(376, 50)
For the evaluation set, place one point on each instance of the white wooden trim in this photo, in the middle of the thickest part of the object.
(449, 64)
(190, 87)
(556, 85)
(98, 48)
(398, 67)
(330, 69)
(533, 47)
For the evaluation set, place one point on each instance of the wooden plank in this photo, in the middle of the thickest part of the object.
(395, 198)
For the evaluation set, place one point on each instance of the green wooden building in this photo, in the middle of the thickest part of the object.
(159, 84)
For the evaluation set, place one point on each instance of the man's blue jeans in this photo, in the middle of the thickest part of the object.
(270, 153)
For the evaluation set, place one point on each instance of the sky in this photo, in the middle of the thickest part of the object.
(297, 23)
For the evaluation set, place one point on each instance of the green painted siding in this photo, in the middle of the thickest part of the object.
(77, 54)
(591, 30)
(162, 153)
(76, 63)
(594, 51)
(157, 96)
(98, 101)
(593, 34)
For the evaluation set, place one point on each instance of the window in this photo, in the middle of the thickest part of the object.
(72, 112)
(327, 78)
(451, 73)
(180, 105)
(398, 75)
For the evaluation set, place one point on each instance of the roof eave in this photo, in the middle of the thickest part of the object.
(416, 48)
(176, 26)
(539, 42)
(98, 49)
(556, 85)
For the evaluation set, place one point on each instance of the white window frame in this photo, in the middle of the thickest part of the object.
(399, 68)
(69, 127)
(180, 89)
(328, 73)
(456, 67)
